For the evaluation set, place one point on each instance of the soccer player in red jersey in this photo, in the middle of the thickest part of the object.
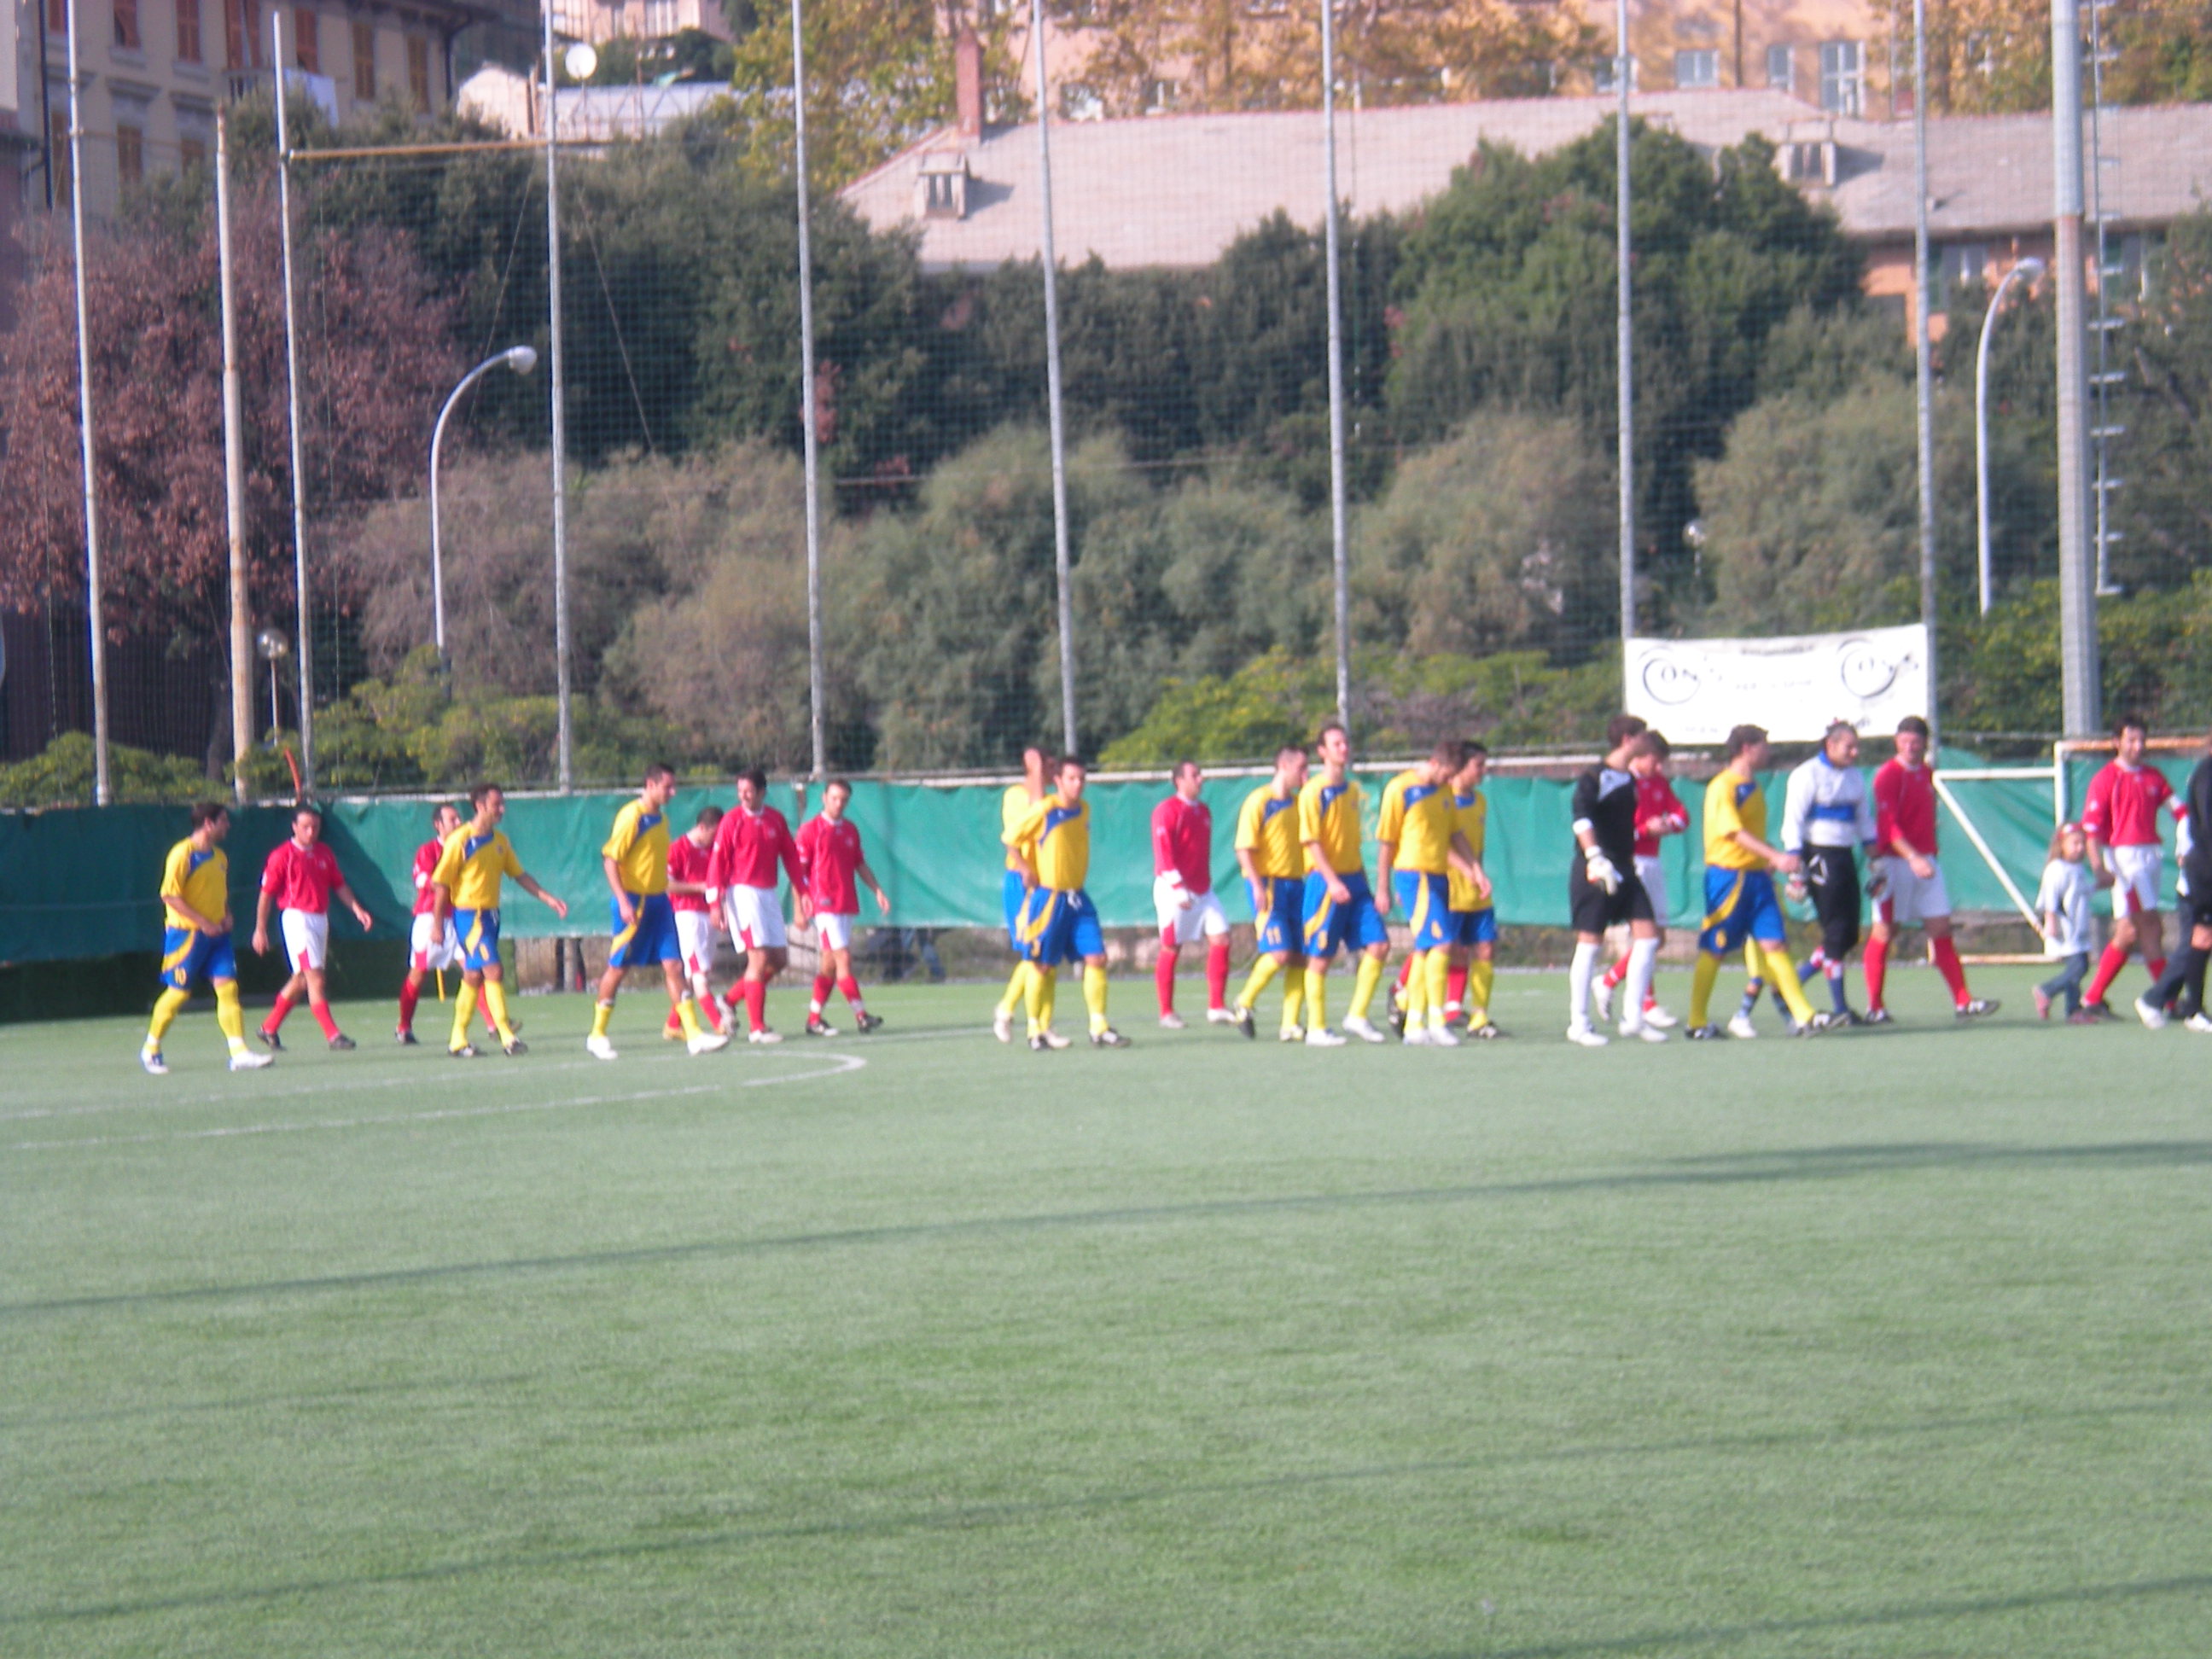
(749, 844)
(836, 869)
(1659, 812)
(688, 855)
(1907, 879)
(297, 879)
(1184, 900)
(2126, 854)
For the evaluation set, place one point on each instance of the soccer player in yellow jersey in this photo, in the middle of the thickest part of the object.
(635, 859)
(467, 878)
(1739, 897)
(1475, 915)
(196, 940)
(1339, 911)
(1273, 864)
(1419, 849)
(1014, 805)
(1058, 922)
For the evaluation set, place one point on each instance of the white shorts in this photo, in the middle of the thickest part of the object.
(429, 946)
(1910, 899)
(306, 938)
(694, 938)
(833, 931)
(755, 919)
(1204, 916)
(1651, 871)
(2138, 873)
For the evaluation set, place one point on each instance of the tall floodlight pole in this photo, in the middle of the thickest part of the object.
(2077, 564)
(101, 793)
(2026, 271)
(1062, 562)
(1623, 336)
(307, 657)
(1923, 369)
(565, 746)
(233, 476)
(1340, 554)
(809, 414)
(521, 359)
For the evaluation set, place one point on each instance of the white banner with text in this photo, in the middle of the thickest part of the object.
(1795, 686)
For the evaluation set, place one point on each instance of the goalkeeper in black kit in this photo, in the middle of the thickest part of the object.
(2183, 983)
(1603, 887)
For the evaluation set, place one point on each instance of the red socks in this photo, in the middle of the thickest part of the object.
(2157, 969)
(2108, 970)
(1164, 976)
(321, 1011)
(755, 996)
(1877, 965)
(1946, 952)
(1217, 974)
(850, 989)
(1616, 973)
(1405, 972)
(824, 984)
(1455, 987)
(277, 1013)
(409, 994)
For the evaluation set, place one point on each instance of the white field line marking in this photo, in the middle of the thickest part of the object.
(843, 1065)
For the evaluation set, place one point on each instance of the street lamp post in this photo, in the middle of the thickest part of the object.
(2028, 270)
(521, 359)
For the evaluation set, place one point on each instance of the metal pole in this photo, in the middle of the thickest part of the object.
(1062, 560)
(307, 657)
(1339, 541)
(1923, 370)
(809, 414)
(101, 793)
(1624, 335)
(233, 476)
(2077, 598)
(566, 745)
(2028, 269)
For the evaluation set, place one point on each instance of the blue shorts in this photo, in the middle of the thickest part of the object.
(1060, 927)
(1472, 927)
(1276, 906)
(1011, 894)
(1426, 901)
(187, 953)
(650, 938)
(479, 930)
(1327, 927)
(1739, 904)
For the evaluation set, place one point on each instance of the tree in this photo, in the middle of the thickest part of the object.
(1992, 56)
(2166, 453)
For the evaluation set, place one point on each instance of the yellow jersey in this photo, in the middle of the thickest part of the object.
(1056, 837)
(1472, 815)
(639, 846)
(471, 864)
(1268, 828)
(1329, 813)
(1418, 820)
(200, 879)
(1734, 802)
(1014, 807)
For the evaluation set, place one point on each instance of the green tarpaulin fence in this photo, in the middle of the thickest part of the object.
(81, 884)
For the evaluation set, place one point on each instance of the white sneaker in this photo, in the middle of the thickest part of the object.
(706, 1043)
(1292, 1034)
(1602, 998)
(1002, 1026)
(600, 1047)
(250, 1061)
(1443, 1037)
(1052, 1039)
(1645, 1032)
(1219, 1017)
(2151, 1014)
(1417, 1037)
(1322, 1037)
(1739, 1026)
(152, 1061)
(2199, 1023)
(1583, 1036)
(1654, 1015)
(1171, 1021)
(1360, 1026)
(764, 1035)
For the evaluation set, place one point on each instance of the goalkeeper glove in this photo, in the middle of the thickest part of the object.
(1600, 870)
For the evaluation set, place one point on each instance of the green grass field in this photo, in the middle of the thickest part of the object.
(1890, 1343)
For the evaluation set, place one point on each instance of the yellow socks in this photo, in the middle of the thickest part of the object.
(1363, 984)
(1094, 996)
(465, 1010)
(1316, 997)
(165, 1013)
(229, 1016)
(687, 1014)
(494, 1000)
(1294, 998)
(1783, 974)
(1017, 990)
(600, 1015)
(1037, 991)
(1417, 991)
(1436, 968)
(1480, 978)
(1263, 971)
(1701, 988)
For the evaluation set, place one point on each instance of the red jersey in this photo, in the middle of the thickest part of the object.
(1904, 805)
(747, 849)
(426, 860)
(688, 861)
(1182, 844)
(2122, 807)
(1659, 811)
(831, 850)
(302, 877)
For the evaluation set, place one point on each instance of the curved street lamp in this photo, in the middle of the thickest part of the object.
(521, 359)
(2029, 270)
